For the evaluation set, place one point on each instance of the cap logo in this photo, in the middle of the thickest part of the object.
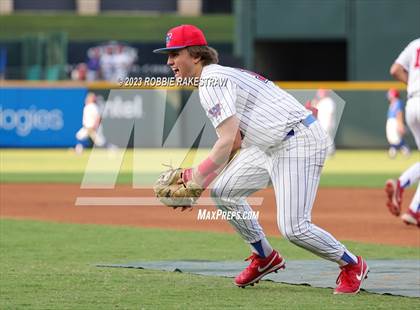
(168, 37)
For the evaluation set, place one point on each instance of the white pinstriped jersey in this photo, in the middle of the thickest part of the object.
(266, 112)
(410, 60)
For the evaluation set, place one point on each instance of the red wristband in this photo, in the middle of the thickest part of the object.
(207, 166)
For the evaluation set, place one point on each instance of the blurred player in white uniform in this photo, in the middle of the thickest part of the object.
(326, 108)
(277, 142)
(395, 128)
(107, 64)
(122, 62)
(91, 125)
(406, 69)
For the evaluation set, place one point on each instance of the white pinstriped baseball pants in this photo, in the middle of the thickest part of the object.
(412, 117)
(293, 168)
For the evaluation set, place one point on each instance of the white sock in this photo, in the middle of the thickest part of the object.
(415, 203)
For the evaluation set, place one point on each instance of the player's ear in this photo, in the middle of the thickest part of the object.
(194, 54)
(196, 60)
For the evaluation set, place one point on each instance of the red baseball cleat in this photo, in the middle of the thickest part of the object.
(411, 218)
(394, 193)
(258, 268)
(351, 277)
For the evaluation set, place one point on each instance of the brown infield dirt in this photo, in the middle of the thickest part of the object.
(348, 213)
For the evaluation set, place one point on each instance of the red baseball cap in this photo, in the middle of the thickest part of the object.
(182, 36)
(321, 93)
(393, 93)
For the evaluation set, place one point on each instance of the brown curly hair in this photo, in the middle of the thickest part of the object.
(207, 54)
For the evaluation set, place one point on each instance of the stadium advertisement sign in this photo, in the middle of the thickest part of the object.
(47, 117)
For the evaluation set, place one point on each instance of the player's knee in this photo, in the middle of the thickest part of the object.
(220, 190)
(292, 236)
(222, 195)
(287, 233)
(294, 232)
(216, 192)
(218, 196)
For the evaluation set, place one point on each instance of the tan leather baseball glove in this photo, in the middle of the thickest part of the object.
(173, 192)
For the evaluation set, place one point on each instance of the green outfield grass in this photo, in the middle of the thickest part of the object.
(144, 28)
(345, 169)
(52, 266)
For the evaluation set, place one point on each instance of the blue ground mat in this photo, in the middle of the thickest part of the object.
(393, 277)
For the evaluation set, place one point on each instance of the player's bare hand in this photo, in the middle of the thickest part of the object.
(191, 174)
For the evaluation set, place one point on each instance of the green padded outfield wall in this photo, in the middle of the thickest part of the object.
(382, 28)
(373, 32)
(363, 121)
(362, 124)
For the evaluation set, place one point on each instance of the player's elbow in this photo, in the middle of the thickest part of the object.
(230, 144)
(392, 70)
(395, 70)
(237, 142)
(229, 135)
(236, 146)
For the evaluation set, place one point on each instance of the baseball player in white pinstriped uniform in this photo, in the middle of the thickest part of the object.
(406, 69)
(280, 143)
